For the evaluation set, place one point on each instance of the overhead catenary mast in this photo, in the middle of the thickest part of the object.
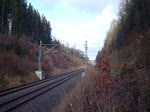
(86, 55)
(86, 48)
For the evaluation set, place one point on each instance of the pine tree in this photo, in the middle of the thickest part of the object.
(25, 20)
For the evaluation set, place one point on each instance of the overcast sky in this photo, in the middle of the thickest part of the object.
(77, 21)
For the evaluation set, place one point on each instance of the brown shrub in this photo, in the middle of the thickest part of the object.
(85, 97)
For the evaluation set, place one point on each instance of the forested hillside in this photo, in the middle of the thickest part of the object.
(18, 18)
(125, 58)
(21, 29)
(120, 80)
(19, 61)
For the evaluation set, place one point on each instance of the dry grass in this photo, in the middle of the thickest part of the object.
(130, 90)
(83, 98)
(58, 71)
(16, 66)
(9, 81)
(131, 72)
(19, 61)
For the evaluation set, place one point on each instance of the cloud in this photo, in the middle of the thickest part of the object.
(94, 31)
(91, 6)
(76, 21)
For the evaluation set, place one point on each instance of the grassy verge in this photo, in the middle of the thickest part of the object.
(84, 97)
(58, 71)
(120, 83)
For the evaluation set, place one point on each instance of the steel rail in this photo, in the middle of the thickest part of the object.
(24, 98)
(14, 89)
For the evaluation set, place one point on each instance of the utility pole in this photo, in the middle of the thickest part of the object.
(39, 72)
(86, 55)
(40, 55)
(86, 48)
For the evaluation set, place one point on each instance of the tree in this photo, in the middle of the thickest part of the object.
(25, 20)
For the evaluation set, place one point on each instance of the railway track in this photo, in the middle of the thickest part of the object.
(15, 97)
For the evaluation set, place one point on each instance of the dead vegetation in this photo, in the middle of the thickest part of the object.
(19, 61)
(81, 97)
(119, 83)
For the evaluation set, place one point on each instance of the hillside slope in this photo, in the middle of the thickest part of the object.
(19, 61)
(120, 80)
(125, 58)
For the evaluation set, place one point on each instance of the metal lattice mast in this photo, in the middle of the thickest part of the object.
(40, 55)
(86, 55)
(86, 48)
(39, 72)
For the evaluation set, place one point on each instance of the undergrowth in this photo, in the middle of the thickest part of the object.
(16, 63)
(118, 83)
(19, 61)
(86, 97)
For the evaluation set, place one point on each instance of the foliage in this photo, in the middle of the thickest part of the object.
(16, 18)
(19, 61)
(21, 28)
(69, 50)
(125, 56)
(78, 100)
(134, 17)
(15, 62)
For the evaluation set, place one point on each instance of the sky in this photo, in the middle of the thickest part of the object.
(75, 21)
